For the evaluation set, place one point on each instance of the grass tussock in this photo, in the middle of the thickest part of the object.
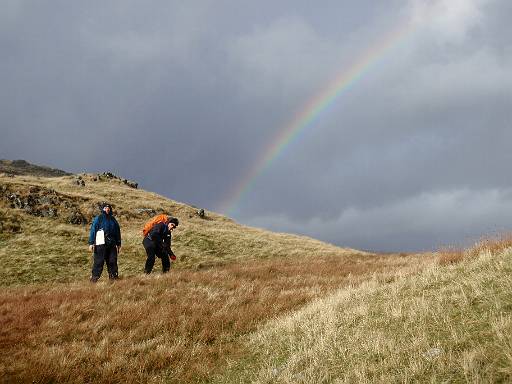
(445, 325)
(182, 327)
(10, 224)
(494, 245)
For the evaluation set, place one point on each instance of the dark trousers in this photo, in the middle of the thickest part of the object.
(104, 254)
(152, 251)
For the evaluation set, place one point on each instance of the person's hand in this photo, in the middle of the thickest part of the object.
(91, 248)
(118, 249)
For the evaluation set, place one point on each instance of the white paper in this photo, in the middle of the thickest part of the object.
(100, 237)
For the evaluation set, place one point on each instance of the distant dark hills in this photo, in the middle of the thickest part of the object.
(23, 167)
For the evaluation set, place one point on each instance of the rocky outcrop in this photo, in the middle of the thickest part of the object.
(130, 183)
(78, 180)
(42, 202)
(200, 212)
(112, 176)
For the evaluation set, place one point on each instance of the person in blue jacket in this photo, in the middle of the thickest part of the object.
(158, 243)
(105, 242)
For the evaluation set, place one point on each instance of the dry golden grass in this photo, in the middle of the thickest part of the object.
(493, 244)
(445, 325)
(181, 327)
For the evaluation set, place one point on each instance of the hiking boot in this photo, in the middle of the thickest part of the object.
(94, 279)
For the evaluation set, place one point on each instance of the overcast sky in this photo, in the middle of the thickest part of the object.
(186, 96)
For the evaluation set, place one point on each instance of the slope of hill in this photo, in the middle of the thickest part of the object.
(446, 325)
(45, 224)
(22, 167)
(183, 327)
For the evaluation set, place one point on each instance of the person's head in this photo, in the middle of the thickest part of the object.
(173, 223)
(107, 208)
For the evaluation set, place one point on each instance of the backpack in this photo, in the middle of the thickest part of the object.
(163, 218)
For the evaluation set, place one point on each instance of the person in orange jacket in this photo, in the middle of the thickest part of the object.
(157, 243)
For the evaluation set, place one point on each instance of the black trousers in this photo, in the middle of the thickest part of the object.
(104, 254)
(152, 251)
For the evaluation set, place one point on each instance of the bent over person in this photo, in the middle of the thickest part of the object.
(157, 243)
(105, 241)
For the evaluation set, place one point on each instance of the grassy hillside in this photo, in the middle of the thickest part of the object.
(39, 244)
(446, 325)
(22, 167)
(183, 327)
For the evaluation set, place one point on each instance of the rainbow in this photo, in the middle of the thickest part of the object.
(311, 111)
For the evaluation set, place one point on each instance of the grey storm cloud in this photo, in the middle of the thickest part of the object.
(185, 97)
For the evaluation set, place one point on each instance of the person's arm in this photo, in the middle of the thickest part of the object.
(118, 233)
(92, 234)
(172, 255)
(167, 246)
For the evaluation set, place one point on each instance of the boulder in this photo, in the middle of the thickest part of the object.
(130, 183)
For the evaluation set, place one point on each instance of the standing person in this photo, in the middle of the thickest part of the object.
(158, 243)
(105, 241)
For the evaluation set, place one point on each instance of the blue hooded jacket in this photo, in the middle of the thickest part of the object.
(109, 225)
